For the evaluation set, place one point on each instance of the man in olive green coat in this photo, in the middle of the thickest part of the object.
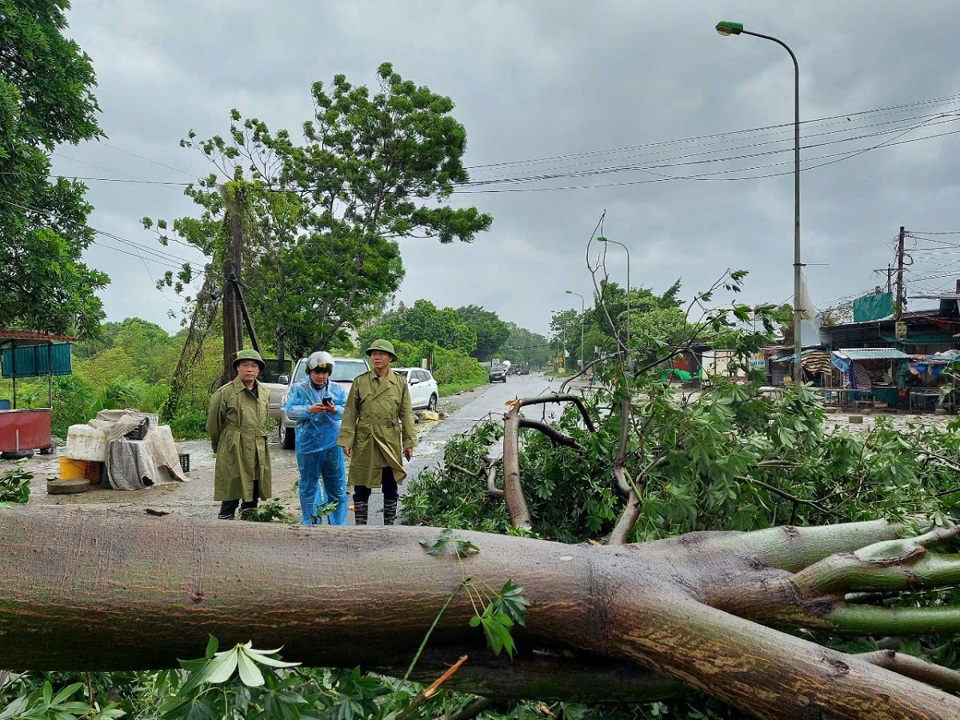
(377, 432)
(237, 422)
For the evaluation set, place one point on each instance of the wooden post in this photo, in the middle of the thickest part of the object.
(232, 328)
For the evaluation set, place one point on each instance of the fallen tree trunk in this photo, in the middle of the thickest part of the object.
(89, 590)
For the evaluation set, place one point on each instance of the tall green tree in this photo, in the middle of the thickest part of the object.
(46, 99)
(491, 331)
(525, 347)
(321, 219)
(423, 322)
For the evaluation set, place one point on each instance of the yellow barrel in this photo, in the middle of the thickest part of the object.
(71, 469)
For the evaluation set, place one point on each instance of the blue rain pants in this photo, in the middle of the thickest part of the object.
(328, 465)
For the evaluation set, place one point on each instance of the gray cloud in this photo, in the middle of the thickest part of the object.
(554, 80)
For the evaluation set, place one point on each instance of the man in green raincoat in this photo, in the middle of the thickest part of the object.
(377, 432)
(237, 422)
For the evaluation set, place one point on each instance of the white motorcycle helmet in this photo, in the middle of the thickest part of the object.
(320, 359)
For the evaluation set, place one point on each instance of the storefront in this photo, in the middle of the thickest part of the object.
(25, 354)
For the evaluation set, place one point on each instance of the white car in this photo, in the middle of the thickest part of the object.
(423, 388)
(344, 371)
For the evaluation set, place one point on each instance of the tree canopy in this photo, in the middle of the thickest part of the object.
(423, 322)
(321, 219)
(492, 332)
(46, 99)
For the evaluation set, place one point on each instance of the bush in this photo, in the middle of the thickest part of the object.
(189, 425)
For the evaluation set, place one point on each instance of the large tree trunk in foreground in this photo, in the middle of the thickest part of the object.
(88, 590)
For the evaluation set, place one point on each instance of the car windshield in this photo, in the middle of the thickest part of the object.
(401, 373)
(498, 368)
(343, 371)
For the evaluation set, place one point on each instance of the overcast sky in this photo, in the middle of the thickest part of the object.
(639, 109)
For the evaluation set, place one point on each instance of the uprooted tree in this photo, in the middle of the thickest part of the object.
(694, 589)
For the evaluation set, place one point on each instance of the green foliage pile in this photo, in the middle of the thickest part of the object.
(15, 485)
(735, 458)
(732, 458)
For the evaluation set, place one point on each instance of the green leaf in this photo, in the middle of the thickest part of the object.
(250, 674)
(222, 666)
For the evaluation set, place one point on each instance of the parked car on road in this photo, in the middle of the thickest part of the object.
(498, 373)
(344, 371)
(423, 388)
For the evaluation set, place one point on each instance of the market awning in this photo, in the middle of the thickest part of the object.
(791, 356)
(855, 354)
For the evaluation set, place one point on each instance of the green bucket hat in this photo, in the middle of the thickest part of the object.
(249, 355)
(384, 346)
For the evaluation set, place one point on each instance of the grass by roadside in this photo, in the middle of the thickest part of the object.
(454, 388)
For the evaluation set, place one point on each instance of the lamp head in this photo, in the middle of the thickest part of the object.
(729, 28)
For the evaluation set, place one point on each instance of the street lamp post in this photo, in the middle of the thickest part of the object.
(732, 28)
(627, 250)
(582, 313)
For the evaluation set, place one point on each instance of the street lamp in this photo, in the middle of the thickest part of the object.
(732, 28)
(607, 240)
(582, 313)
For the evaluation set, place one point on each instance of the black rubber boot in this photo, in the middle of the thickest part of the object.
(360, 513)
(389, 512)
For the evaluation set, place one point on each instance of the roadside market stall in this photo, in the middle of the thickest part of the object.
(871, 377)
(27, 354)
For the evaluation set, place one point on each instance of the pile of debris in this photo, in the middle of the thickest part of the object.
(122, 450)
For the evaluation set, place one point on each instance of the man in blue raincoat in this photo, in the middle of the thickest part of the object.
(317, 406)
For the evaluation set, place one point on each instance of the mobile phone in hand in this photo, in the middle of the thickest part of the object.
(408, 455)
(328, 401)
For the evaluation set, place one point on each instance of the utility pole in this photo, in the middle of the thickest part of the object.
(901, 299)
(232, 320)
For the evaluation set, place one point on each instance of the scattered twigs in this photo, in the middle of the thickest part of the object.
(430, 691)
(491, 470)
(459, 468)
(946, 461)
(783, 493)
(580, 373)
(555, 436)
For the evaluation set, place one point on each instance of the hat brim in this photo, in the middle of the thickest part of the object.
(371, 350)
(260, 363)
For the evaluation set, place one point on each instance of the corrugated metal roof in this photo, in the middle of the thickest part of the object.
(31, 335)
(872, 354)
